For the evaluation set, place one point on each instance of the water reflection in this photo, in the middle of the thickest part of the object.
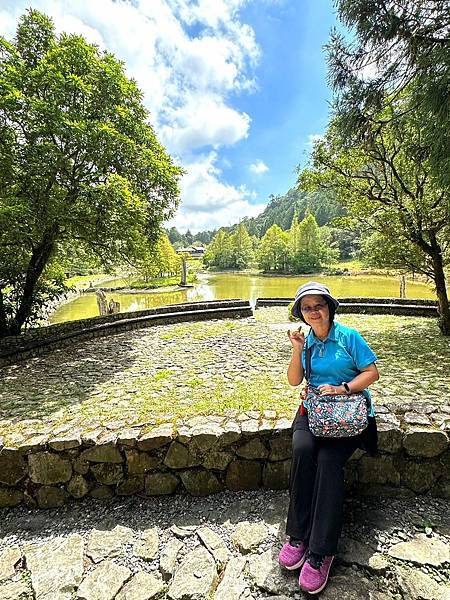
(248, 287)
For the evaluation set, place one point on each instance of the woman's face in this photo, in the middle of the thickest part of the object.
(315, 310)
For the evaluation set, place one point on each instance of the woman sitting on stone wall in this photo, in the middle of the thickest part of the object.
(341, 362)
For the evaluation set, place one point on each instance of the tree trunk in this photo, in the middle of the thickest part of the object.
(3, 321)
(441, 291)
(38, 261)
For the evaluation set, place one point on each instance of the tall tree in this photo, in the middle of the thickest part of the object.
(241, 247)
(394, 46)
(388, 185)
(273, 250)
(79, 162)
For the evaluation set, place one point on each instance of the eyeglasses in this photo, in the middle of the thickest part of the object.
(315, 308)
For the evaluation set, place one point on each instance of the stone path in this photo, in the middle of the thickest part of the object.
(179, 370)
(221, 547)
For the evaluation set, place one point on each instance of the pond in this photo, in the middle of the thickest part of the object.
(220, 286)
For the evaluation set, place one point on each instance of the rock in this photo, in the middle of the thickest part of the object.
(267, 574)
(250, 426)
(8, 559)
(422, 550)
(50, 497)
(421, 476)
(157, 437)
(389, 437)
(103, 582)
(179, 457)
(204, 437)
(280, 448)
(231, 434)
(34, 443)
(276, 475)
(157, 484)
(411, 418)
(416, 585)
(142, 585)
(253, 449)
(102, 492)
(49, 468)
(10, 497)
(354, 552)
(128, 437)
(200, 483)
(168, 557)
(378, 563)
(102, 544)
(13, 467)
(139, 463)
(80, 466)
(195, 577)
(65, 442)
(248, 536)
(131, 485)
(233, 583)
(218, 460)
(107, 473)
(104, 453)
(78, 486)
(425, 442)
(147, 546)
(243, 475)
(13, 590)
(183, 532)
(56, 567)
(214, 544)
(379, 469)
(351, 586)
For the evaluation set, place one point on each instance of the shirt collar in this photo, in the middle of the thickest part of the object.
(312, 339)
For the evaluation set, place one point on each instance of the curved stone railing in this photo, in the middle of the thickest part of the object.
(35, 341)
(374, 306)
(204, 455)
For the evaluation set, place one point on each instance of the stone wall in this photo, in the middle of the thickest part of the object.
(204, 455)
(41, 339)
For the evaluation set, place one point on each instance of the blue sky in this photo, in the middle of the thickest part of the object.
(236, 88)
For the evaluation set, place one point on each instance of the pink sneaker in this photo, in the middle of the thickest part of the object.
(292, 557)
(314, 574)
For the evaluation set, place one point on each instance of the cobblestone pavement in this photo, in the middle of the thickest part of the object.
(223, 546)
(199, 368)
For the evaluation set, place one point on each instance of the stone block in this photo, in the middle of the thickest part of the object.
(180, 457)
(218, 460)
(280, 448)
(420, 476)
(104, 453)
(389, 437)
(425, 442)
(49, 468)
(276, 475)
(78, 486)
(243, 475)
(50, 497)
(131, 485)
(10, 497)
(155, 438)
(380, 469)
(231, 434)
(139, 463)
(102, 492)
(107, 473)
(159, 484)
(205, 437)
(65, 443)
(200, 483)
(253, 449)
(13, 467)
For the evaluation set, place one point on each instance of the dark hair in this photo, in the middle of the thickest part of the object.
(331, 309)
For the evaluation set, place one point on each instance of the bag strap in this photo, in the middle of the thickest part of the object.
(308, 363)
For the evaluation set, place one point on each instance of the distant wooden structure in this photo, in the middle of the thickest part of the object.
(105, 308)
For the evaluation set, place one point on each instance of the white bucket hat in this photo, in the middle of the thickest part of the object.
(312, 287)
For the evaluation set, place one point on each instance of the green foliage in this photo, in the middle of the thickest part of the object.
(230, 251)
(394, 46)
(79, 163)
(159, 259)
(274, 250)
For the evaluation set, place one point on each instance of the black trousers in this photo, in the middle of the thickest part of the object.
(316, 487)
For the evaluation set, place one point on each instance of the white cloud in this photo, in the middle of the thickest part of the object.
(186, 79)
(208, 203)
(258, 167)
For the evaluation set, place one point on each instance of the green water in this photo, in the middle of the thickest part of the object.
(247, 287)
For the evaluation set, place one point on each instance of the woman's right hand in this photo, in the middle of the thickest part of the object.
(297, 339)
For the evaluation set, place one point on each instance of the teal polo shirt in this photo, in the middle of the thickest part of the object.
(340, 357)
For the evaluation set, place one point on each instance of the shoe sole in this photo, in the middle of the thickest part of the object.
(296, 566)
(322, 586)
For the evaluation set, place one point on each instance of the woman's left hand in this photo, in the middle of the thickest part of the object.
(326, 389)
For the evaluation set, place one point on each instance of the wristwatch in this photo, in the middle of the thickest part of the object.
(346, 387)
